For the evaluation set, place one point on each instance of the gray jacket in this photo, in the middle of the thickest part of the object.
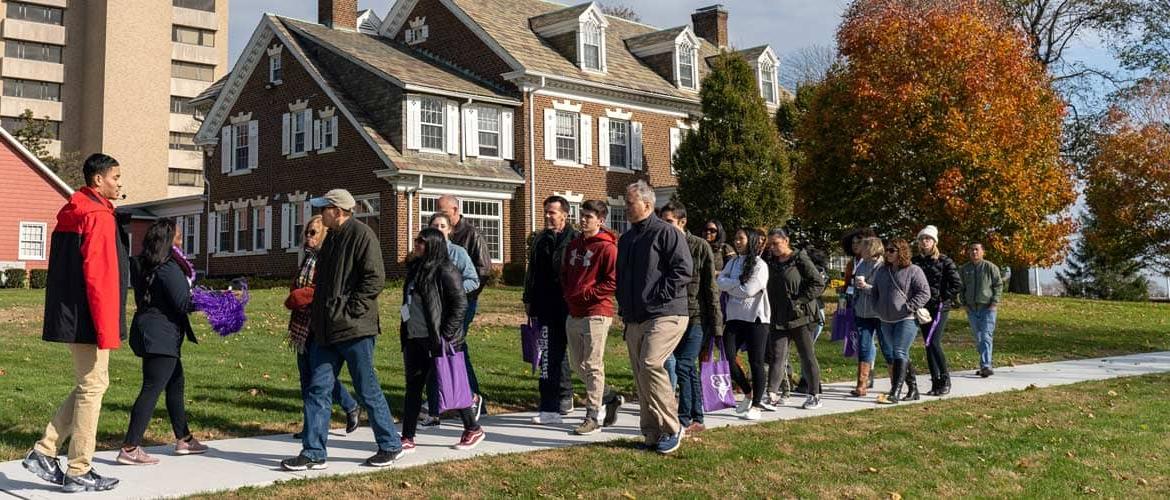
(897, 293)
(864, 305)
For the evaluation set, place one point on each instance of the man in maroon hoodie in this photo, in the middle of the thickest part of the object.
(589, 278)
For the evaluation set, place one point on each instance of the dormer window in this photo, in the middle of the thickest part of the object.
(592, 46)
(685, 61)
(768, 82)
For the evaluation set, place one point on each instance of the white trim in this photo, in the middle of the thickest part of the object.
(241, 117)
(567, 163)
(570, 196)
(618, 114)
(36, 162)
(605, 102)
(566, 105)
(398, 14)
(299, 105)
(326, 112)
(44, 241)
(691, 100)
(245, 171)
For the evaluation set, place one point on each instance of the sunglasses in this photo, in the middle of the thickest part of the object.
(891, 250)
(311, 232)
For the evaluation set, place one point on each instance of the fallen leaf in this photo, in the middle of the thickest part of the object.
(895, 496)
(404, 485)
(1070, 454)
(871, 470)
(2, 372)
(265, 376)
(629, 495)
(254, 392)
(1112, 393)
(240, 365)
(1142, 482)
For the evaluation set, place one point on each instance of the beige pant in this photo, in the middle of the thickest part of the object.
(77, 418)
(650, 343)
(586, 337)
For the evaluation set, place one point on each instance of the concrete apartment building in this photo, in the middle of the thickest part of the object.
(114, 76)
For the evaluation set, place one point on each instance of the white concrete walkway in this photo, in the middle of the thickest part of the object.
(235, 463)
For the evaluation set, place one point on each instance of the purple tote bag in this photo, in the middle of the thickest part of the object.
(715, 376)
(842, 323)
(451, 375)
(530, 342)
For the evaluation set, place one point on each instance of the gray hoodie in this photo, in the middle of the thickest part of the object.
(897, 293)
(864, 305)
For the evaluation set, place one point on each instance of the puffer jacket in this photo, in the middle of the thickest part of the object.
(794, 286)
(445, 305)
(943, 277)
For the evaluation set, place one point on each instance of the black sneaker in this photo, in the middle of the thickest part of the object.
(611, 410)
(385, 458)
(301, 462)
(90, 481)
(352, 419)
(44, 466)
(567, 406)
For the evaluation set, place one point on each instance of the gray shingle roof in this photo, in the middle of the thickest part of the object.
(654, 38)
(558, 16)
(210, 93)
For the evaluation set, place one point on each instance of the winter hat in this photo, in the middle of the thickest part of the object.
(929, 231)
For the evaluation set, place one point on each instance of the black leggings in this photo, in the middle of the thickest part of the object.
(756, 336)
(158, 373)
(416, 357)
(802, 336)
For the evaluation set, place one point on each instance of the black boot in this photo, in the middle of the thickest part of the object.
(897, 378)
(911, 384)
(944, 385)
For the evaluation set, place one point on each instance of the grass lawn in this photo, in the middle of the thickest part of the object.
(1108, 439)
(247, 384)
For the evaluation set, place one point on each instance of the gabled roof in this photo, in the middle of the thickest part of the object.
(209, 94)
(754, 53)
(559, 16)
(399, 64)
(368, 22)
(654, 38)
(37, 163)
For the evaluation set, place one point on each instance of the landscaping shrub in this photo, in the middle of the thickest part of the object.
(14, 278)
(38, 278)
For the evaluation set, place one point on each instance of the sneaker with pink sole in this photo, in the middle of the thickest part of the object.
(137, 456)
(470, 439)
(190, 446)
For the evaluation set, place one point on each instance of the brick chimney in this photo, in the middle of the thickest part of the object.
(337, 14)
(710, 23)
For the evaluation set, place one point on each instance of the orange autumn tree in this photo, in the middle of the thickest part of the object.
(938, 116)
(1127, 181)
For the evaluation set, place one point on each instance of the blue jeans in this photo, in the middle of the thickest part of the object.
(982, 319)
(472, 381)
(897, 338)
(340, 395)
(690, 389)
(324, 363)
(867, 331)
(671, 366)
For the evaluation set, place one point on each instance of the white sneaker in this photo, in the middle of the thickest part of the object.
(602, 413)
(547, 418)
(743, 405)
(766, 406)
(753, 413)
(812, 403)
(775, 399)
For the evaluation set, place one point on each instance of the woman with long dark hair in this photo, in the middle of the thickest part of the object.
(162, 293)
(794, 288)
(745, 279)
(433, 305)
(715, 236)
(899, 289)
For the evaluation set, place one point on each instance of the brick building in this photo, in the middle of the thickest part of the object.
(501, 102)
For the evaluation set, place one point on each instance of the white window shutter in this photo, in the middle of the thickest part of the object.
(316, 136)
(253, 143)
(413, 123)
(451, 126)
(285, 133)
(550, 134)
(675, 140)
(285, 224)
(586, 142)
(336, 132)
(636, 145)
(212, 245)
(308, 114)
(507, 135)
(225, 149)
(196, 249)
(471, 130)
(267, 228)
(307, 212)
(181, 225)
(603, 141)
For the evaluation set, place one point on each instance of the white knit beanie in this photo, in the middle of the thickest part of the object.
(929, 231)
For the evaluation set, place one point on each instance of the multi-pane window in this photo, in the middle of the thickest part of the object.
(183, 141)
(617, 219)
(179, 105)
(619, 143)
(224, 230)
(241, 143)
(32, 51)
(489, 132)
(328, 134)
(431, 114)
(297, 222)
(567, 136)
(574, 217)
(36, 13)
(686, 66)
(12, 124)
(485, 215)
(204, 5)
(32, 240)
(184, 177)
(188, 230)
(259, 228)
(768, 82)
(369, 210)
(241, 215)
(192, 71)
(300, 132)
(193, 36)
(275, 68)
(591, 41)
(32, 89)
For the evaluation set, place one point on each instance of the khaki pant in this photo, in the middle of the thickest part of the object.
(586, 338)
(650, 343)
(77, 418)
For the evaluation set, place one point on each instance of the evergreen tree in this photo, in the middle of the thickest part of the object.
(35, 135)
(734, 168)
(1095, 274)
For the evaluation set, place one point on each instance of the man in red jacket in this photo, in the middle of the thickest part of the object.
(589, 278)
(85, 308)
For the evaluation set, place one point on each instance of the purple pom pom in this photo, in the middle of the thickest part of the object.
(224, 311)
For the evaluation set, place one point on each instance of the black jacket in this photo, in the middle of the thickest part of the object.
(350, 276)
(793, 289)
(445, 305)
(702, 292)
(943, 276)
(467, 236)
(160, 321)
(653, 270)
(542, 281)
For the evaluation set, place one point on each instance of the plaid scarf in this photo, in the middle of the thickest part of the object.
(298, 324)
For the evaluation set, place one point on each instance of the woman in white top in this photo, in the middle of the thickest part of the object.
(748, 315)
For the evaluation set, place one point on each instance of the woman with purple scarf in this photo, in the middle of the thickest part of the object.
(299, 298)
